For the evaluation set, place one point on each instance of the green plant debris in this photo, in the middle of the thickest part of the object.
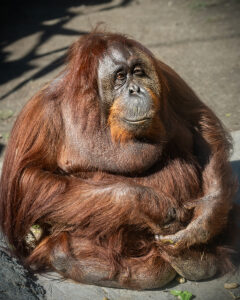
(182, 295)
(228, 115)
(6, 114)
(4, 136)
(36, 226)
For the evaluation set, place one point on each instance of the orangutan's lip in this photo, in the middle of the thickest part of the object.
(136, 121)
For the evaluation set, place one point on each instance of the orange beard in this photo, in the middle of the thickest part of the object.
(122, 135)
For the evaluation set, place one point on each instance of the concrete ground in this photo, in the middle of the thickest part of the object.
(200, 39)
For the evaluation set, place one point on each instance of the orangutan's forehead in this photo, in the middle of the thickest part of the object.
(119, 55)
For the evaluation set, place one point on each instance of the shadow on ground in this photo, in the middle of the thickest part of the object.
(20, 19)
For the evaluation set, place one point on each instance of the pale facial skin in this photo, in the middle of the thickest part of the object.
(128, 76)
